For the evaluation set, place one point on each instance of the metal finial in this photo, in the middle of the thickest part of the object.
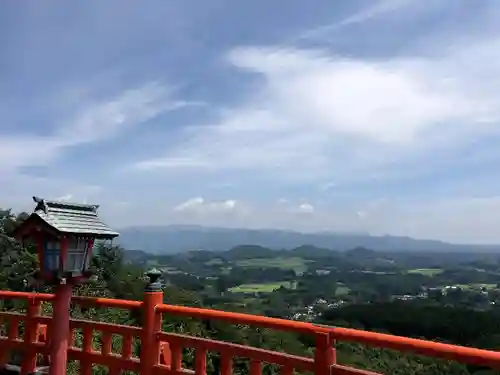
(154, 284)
(40, 204)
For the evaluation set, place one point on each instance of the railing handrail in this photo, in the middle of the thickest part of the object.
(405, 344)
(381, 340)
(26, 295)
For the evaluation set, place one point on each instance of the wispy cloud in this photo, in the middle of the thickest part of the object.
(96, 121)
(343, 116)
(92, 121)
(377, 8)
(200, 205)
(317, 116)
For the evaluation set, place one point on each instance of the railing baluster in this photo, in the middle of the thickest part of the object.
(176, 352)
(28, 364)
(70, 338)
(127, 347)
(226, 364)
(4, 355)
(106, 339)
(255, 367)
(14, 328)
(151, 325)
(36, 327)
(165, 354)
(200, 367)
(41, 336)
(323, 355)
(86, 365)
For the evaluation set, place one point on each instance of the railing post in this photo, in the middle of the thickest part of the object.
(151, 324)
(60, 330)
(324, 355)
(28, 364)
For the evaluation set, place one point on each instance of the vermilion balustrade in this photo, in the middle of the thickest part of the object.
(161, 352)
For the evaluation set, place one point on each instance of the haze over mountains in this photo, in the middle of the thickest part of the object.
(179, 238)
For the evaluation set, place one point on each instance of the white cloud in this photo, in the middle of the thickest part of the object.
(317, 116)
(377, 8)
(387, 101)
(16, 192)
(306, 208)
(65, 197)
(361, 214)
(190, 204)
(314, 118)
(101, 120)
(473, 220)
(201, 206)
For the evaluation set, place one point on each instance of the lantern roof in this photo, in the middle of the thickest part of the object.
(75, 218)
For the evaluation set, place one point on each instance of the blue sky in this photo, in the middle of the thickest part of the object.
(374, 116)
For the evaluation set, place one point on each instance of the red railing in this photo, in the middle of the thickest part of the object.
(161, 352)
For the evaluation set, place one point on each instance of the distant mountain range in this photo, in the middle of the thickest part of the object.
(179, 238)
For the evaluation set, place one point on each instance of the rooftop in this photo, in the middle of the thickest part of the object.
(69, 217)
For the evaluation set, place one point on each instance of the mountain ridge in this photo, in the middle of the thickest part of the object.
(171, 239)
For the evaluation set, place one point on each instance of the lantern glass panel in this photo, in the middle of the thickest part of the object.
(52, 255)
(77, 250)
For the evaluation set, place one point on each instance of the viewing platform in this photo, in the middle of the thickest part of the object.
(93, 343)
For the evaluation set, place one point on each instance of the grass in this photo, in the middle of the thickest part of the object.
(214, 262)
(292, 263)
(263, 287)
(426, 271)
(342, 290)
(168, 269)
(477, 286)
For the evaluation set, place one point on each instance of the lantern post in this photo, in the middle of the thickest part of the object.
(64, 234)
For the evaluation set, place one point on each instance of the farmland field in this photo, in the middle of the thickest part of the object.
(262, 288)
(426, 271)
(214, 262)
(342, 290)
(477, 286)
(291, 263)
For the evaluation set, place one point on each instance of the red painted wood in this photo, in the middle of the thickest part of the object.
(226, 363)
(59, 342)
(150, 346)
(127, 346)
(236, 350)
(152, 339)
(40, 250)
(90, 249)
(200, 366)
(165, 354)
(344, 370)
(106, 343)
(86, 366)
(323, 359)
(14, 327)
(64, 252)
(176, 355)
(28, 364)
(255, 367)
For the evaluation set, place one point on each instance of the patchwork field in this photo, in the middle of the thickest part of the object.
(342, 290)
(426, 271)
(291, 263)
(477, 286)
(214, 262)
(262, 287)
